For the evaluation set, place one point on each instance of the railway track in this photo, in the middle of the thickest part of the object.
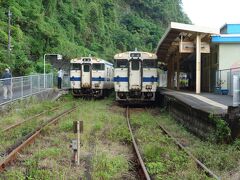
(198, 162)
(12, 153)
(12, 134)
(143, 170)
(28, 119)
(144, 173)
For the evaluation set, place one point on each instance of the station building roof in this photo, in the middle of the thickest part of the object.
(230, 33)
(169, 42)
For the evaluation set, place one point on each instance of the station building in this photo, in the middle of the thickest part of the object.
(200, 59)
(227, 45)
(202, 72)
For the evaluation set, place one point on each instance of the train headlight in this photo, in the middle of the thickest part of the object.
(148, 86)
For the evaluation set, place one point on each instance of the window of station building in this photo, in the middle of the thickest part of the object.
(98, 66)
(149, 63)
(86, 68)
(121, 63)
(135, 65)
(76, 66)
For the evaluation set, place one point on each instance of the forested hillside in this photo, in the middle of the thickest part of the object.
(81, 27)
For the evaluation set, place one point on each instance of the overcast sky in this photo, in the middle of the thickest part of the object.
(212, 13)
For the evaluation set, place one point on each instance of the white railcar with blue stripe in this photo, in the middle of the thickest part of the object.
(90, 76)
(135, 76)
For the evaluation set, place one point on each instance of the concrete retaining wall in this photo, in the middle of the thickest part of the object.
(197, 121)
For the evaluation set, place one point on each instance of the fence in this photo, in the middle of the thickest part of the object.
(224, 79)
(228, 82)
(24, 86)
(65, 81)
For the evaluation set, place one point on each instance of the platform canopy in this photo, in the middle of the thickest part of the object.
(169, 42)
(179, 41)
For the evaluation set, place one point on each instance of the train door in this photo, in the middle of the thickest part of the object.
(135, 75)
(86, 75)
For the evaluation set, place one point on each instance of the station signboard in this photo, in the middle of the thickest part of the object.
(189, 47)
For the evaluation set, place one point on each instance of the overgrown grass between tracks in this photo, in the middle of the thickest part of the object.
(222, 159)
(104, 152)
(164, 160)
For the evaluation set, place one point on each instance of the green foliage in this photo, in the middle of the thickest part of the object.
(13, 175)
(108, 167)
(162, 157)
(66, 126)
(33, 171)
(236, 144)
(50, 152)
(155, 167)
(223, 132)
(120, 133)
(79, 28)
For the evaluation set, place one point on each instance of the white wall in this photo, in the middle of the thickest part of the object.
(229, 56)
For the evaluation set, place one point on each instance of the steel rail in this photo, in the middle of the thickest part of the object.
(31, 118)
(199, 163)
(13, 154)
(143, 167)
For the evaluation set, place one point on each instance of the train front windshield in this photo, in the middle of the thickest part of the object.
(121, 63)
(76, 66)
(149, 63)
(98, 67)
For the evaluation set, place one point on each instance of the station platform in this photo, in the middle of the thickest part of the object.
(208, 102)
(198, 112)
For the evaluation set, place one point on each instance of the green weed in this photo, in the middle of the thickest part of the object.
(220, 158)
(106, 166)
(33, 171)
(155, 168)
(52, 152)
(163, 158)
(66, 126)
(223, 132)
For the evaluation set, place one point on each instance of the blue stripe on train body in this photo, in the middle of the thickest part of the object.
(75, 78)
(98, 79)
(150, 79)
(93, 79)
(120, 79)
(145, 79)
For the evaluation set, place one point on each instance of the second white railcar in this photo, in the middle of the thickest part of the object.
(90, 76)
(135, 76)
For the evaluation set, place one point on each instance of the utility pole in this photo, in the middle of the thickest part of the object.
(9, 34)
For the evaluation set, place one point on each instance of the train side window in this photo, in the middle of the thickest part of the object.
(135, 65)
(149, 63)
(76, 66)
(121, 63)
(86, 68)
(98, 66)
